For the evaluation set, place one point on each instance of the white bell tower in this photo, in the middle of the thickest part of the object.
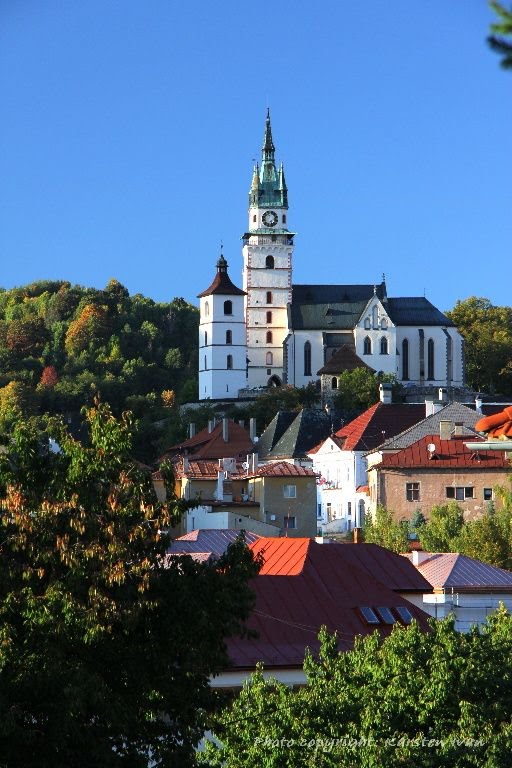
(222, 343)
(267, 271)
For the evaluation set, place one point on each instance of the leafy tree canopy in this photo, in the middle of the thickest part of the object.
(419, 699)
(501, 38)
(386, 531)
(106, 645)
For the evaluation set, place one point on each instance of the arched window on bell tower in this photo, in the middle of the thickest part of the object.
(269, 337)
(269, 262)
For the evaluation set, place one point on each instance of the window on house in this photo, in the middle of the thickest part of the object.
(405, 360)
(330, 514)
(386, 615)
(269, 317)
(307, 358)
(229, 337)
(384, 346)
(269, 297)
(403, 613)
(349, 509)
(334, 383)
(459, 492)
(228, 307)
(206, 308)
(269, 262)
(290, 522)
(269, 337)
(367, 346)
(254, 218)
(269, 358)
(318, 511)
(412, 491)
(383, 323)
(367, 323)
(375, 317)
(369, 615)
(488, 494)
(290, 491)
(361, 512)
(430, 359)
(229, 362)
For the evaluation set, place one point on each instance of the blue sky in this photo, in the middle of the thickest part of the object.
(129, 131)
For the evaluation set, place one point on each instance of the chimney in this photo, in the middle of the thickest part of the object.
(225, 430)
(445, 429)
(185, 464)
(385, 392)
(459, 429)
(418, 556)
(220, 485)
(191, 430)
(429, 405)
(252, 429)
(443, 395)
(358, 536)
(478, 403)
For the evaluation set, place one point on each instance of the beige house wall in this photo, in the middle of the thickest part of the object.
(277, 509)
(389, 489)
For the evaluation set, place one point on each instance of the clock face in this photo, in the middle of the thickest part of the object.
(269, 218)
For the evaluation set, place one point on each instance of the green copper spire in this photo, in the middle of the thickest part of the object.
(268, 186)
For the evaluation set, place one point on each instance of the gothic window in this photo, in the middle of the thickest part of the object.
(254, 218)
(269, 317)
(383, 346)
(383, 325)
(228, 307)
(229, 337)
(269, 297)
(430, 359)
(367, 323)
(284, 218)
(269, 360)
(206, 338)
(206, 308)
(307, 359)
(367, 346)
(405, 360)
(375, 313)
(334, 383)
(229, 362)
(269, 337)
(269, 262)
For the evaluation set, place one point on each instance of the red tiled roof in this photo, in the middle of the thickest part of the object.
(378, 423)
(448, 453)
(282, 469)
(450, 570)
(304, 585)
(211, 445)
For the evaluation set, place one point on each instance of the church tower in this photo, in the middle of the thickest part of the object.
(222, 345)
(267, 268)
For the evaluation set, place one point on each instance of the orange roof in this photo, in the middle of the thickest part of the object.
(378, 423)
(211, 445)
(282, 556)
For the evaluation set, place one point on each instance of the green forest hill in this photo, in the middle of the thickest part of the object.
(61, 344)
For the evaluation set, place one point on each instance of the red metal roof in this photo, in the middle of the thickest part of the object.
(380, 422)
(448, 453)
(282, 469)
(304, 585)
(450, 570)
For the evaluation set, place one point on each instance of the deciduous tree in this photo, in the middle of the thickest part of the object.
(106, 644)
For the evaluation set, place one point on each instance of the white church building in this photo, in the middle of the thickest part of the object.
(272, 332)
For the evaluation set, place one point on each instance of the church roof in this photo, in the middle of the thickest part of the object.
(345, 359)
(415, 310)
(336, 307)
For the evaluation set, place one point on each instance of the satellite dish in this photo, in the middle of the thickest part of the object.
(245, 465)
(431, 448)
